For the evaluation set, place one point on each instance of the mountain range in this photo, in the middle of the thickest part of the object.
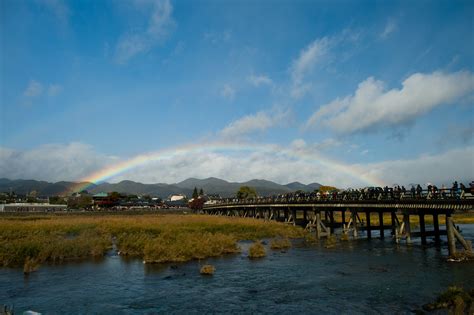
(210, 185)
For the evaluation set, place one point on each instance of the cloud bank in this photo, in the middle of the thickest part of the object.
(75, 161)
(372, 106)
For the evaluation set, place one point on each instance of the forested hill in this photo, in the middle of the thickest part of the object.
(209, 185)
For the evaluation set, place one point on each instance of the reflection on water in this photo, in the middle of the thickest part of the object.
(355, 277)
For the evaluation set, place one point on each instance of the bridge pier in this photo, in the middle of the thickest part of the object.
(318, 225)
(421, 217)
(436, 229)
(354, 223)
(453, 235)
(369, 230)
(450, 232)
(406, 220)
(382, 229)
(394, 223)
(331, 221)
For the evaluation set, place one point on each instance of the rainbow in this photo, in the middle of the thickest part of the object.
(169, 153)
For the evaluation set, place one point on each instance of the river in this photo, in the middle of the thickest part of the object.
(366, 277)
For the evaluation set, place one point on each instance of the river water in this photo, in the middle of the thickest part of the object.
(366, 277)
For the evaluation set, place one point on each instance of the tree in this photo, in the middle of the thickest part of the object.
(201, 192)
(115, 196)
(146, 198)
(324, 189)
(246, 192)
(195, 193)
(80, 202)
(57, 200)
(197, 204)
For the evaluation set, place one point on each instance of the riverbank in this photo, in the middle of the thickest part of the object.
(28, 241)
(355, 277)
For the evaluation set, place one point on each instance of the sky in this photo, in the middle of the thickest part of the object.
(344, 93)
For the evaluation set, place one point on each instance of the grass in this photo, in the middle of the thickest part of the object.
(207, 270)
(455, 299)
(257, 250)
(280, 243)
(28, 241)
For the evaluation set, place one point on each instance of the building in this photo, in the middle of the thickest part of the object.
(31, 207)
(177, 200)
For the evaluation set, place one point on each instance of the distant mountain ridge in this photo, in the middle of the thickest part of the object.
(210, 185)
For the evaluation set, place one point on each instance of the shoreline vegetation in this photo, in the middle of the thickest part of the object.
(456, 300)
(29, 241)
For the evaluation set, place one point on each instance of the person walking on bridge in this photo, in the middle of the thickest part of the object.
(418, 190)
(454, 189)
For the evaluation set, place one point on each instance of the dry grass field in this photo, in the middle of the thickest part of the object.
(29, 241)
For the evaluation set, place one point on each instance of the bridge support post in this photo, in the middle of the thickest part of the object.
(394, 224)
(381, 225)
(318, 224)
(331, 221)
(450, 232)
(436, 229)
(354, 223)
(343, 215)
(406, 220)
(369, 228)
(422, 228)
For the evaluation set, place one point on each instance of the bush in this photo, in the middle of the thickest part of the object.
(257, 250)
(280, 243)
(30, 265)
(208, 270)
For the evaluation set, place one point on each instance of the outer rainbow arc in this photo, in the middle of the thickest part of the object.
(121, 167)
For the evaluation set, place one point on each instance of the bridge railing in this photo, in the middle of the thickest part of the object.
(374, 195)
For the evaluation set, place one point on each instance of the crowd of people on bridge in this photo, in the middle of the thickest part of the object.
(457, 191)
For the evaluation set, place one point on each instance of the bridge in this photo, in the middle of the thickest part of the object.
(353, 214)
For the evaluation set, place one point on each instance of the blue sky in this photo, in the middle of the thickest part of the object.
(85, 84)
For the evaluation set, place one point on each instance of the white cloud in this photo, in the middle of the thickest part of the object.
(277, 163)
(54, 89)
(257, 80)
(34, 89)
(305, 63)
(329, 143)
(390, 27)
(444, 168)
(372, 106)
(160, 23)
(53, 162)
(228, 92)
(260, 121)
